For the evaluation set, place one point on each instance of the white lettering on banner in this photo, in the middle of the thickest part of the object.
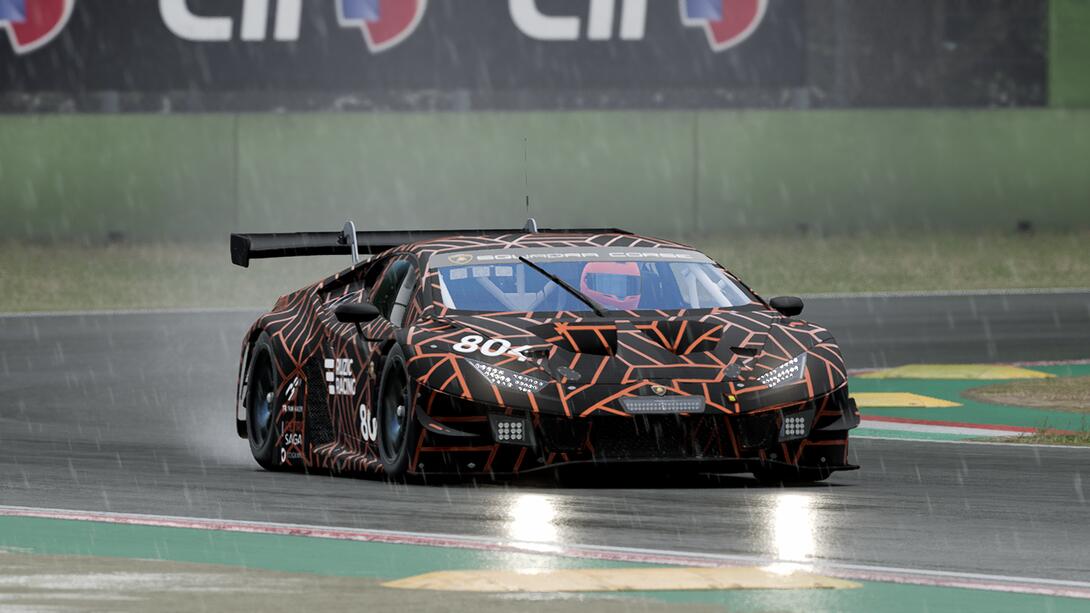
(634, 19)
(533, 23)
(600, 19)
(289, 14)
(255, 15)
(184, 24)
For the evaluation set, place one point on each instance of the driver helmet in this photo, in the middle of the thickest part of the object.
(615, 285)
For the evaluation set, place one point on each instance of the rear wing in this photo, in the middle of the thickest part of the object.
(246, 247)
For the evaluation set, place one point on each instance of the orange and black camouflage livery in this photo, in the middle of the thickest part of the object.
(589, 363)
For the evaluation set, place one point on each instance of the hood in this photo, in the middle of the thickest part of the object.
(701, 343)
(683, 351)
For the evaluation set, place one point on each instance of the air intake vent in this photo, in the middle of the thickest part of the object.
(580, 337)
(318, 423)
(682, 336)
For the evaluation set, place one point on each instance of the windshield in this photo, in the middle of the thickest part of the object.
(657, 279)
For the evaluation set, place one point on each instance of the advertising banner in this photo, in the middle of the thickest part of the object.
(329, 55)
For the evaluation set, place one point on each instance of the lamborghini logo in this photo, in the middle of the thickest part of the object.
(660, 390)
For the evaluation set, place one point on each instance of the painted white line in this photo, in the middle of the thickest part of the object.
(1076, 362)
(934, 428)
(125, 312)
(1053, 363)
(1043, 291)
(937, 578)
(908, 439)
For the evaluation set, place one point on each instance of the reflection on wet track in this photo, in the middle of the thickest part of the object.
(791, 528)
(784, 532)
(532, 518)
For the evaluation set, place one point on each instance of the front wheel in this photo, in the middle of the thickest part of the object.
(396, 424)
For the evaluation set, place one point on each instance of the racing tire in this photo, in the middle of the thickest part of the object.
(262, 404)
(397, 428)
(789, 475)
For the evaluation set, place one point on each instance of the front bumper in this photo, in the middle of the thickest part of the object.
(464, 437)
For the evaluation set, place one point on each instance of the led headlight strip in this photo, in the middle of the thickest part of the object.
(788, 372)
(508, 379)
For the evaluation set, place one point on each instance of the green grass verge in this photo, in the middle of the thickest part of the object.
(78, 277)
(914, 260)
(67, 277)
(1067, 394)
(1070, 394)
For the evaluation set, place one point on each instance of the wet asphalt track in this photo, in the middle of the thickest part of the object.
(132, 413)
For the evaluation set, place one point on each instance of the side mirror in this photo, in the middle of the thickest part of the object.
(356, 312)
(788, 306)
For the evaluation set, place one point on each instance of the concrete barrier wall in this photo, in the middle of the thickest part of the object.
(458, 170)
(672, 173)
(878, 170)
(65, 176)
(1068, 52)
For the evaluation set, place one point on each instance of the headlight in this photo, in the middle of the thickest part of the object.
(788, 372)
(508, 379)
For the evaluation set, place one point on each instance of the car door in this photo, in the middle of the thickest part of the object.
(389, 285)
(348, 364)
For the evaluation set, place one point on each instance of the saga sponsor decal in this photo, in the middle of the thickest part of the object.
(292, 433)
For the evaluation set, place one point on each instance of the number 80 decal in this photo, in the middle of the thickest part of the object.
(493, 347)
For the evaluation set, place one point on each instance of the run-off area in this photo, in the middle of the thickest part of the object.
(137, 563)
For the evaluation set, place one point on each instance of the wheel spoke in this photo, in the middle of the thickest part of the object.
(263, 398)
(394, 415)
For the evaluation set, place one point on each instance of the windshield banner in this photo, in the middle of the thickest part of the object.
(604, 254)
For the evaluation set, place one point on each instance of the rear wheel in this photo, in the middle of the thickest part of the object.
(396, 424)
(262, 404)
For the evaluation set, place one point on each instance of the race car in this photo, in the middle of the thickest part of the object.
(495, 353)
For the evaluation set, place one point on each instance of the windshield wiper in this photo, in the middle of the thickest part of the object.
(598, 309)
